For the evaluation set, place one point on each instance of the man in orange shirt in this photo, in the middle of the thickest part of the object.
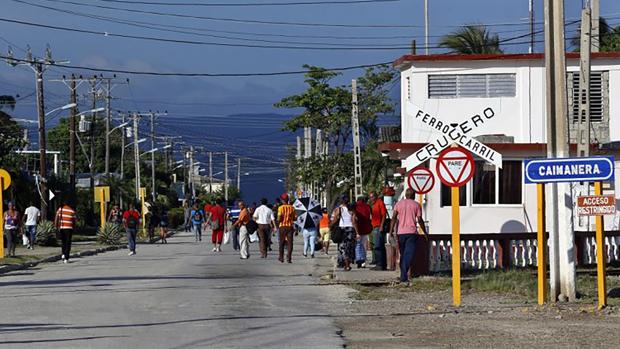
(244, 237)
(286, 217)
(65, 223)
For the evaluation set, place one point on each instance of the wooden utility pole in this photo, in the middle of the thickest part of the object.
(561, 241)
(42, 144)
(355, 128)
(583, 129)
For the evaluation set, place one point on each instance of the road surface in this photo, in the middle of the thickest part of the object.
(179, 295)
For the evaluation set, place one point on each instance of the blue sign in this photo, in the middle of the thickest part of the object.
(592, 169)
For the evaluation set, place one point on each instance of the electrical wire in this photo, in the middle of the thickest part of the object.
(291, 3)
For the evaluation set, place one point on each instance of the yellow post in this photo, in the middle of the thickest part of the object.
(421, 199)
(1, 218)
(103, 217)
(600, 253)
(456, 248)
(143, 211)
(542, 245)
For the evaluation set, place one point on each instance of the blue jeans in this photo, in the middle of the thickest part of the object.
(379, 249)
(197, 231)
(31, 231)
(360, 249)
(131, 239)
(309, 240)
(407, 244)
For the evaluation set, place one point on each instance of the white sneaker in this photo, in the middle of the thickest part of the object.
(219, 249)
(63, 257)
(65, 261)
(214, 249)
(131, 253)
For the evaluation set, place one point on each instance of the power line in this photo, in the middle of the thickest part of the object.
(292, 3)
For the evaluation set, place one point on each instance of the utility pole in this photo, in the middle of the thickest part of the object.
(583, 129)
(93, 83)
(136, 155)
(426, 27)
(238, 174)
(153, 156)
(191, 172)
(42, 145)
(72, 130)
(561, 241)
(226, 177)
(596, 24)
(210, 172)
(355, 128)
(108, 99)
(532, 35)
(122, 156)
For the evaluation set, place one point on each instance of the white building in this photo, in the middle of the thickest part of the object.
(457, 88)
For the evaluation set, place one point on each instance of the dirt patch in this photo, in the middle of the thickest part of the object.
(422, 316)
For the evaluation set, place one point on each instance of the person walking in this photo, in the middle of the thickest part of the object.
(154, 222)
(163, 226)
(218, 224)
(116, 215)
(324, 231)
(379, 215)
(65, 223)
(131, 222)
(406, 218)
(265, 219)
(286, 217)
(309, 233)
(363, 227)
(233, 215)
(187, 215)
(244, 237)
(343, 216)
(198, 218)
(32, 216)
(11, 227)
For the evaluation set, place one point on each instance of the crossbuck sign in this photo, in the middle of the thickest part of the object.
(450, 134)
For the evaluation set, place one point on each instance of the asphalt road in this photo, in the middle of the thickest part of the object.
(179, 295)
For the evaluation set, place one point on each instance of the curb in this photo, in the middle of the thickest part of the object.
(14, 267)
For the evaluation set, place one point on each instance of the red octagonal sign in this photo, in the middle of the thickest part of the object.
(421, 180)
(455, 166)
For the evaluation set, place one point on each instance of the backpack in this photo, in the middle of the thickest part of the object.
(132, 222)
(197, 216)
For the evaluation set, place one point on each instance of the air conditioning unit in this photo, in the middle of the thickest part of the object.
(84, 125)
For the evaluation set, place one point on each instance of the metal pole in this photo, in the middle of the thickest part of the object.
(42, 144)
(153, 157)
(107, 128)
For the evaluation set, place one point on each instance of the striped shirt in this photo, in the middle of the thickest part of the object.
(65, 217)
(286, 215)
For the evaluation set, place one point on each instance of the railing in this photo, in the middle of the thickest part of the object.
(504, 250)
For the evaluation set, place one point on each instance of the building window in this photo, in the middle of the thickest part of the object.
(472, 85)
(446, 196)
(597, 109)
(493, 186)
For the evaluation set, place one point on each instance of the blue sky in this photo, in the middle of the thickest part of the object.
(209, 100)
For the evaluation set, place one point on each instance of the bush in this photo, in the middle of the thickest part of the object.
(110, 234)
(46, 234)
(176, 217)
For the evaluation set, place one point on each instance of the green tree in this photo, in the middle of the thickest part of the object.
(10, 135)
(471, 39)
(609, 38)
(327, 107)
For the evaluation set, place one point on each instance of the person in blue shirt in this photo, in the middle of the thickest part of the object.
(198, 218)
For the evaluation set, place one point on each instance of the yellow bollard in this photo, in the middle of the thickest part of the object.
(456, 248)
(600, 253)
(541, 254)
(1, 218)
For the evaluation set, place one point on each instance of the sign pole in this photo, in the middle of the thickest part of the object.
(600, 253)
(456, 248)
(1, 217)
(541, 253)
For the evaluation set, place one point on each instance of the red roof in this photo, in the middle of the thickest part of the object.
(492, 57)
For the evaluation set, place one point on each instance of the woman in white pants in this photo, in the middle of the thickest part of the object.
(244, 237)
(310, 235)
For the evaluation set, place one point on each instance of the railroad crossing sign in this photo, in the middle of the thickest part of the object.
(451, 134)
(421, 180)
(6, 179)
(455, 166)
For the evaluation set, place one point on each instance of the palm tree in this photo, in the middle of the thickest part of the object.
(471, 39)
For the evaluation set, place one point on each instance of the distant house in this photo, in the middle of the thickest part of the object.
(458, 87)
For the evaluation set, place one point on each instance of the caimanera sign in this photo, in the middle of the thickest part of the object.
(590, 169)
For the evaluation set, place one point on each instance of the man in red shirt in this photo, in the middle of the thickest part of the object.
(217, 215)
(131, 222)
(363, 227)
(379, 215)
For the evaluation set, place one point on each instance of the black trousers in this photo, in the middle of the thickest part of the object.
(65, 237)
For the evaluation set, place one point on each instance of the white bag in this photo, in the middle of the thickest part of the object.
(226, 239)
(25, 240)
(254, 237)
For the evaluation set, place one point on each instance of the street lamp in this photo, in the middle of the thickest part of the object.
(155, 149)
(119, 126)
(139, 141)
(64, 107)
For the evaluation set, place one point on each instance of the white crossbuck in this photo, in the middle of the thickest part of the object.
(449, 134)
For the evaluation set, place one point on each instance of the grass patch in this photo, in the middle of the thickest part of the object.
(588, 293)
(512, 282)
(18, 260)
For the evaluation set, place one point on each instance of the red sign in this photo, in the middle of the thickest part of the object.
(421, 180)
(596, 205)
(455, 166)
